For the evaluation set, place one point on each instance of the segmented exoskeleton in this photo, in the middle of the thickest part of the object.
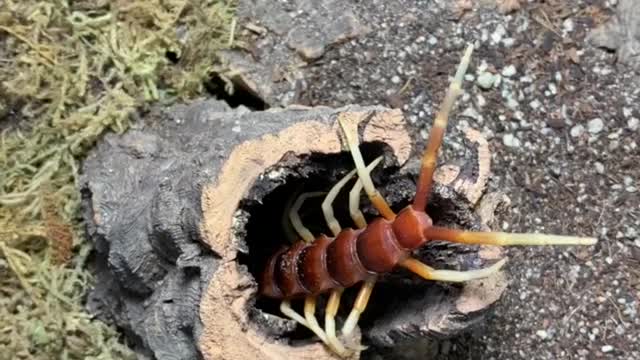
(314, 266)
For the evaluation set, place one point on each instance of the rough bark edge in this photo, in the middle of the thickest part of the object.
(227, 331)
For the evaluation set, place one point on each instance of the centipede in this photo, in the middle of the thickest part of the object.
(314, 266)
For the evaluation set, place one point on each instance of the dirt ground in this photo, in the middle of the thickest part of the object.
(562, 118)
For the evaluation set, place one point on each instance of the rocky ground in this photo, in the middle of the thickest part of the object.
(563, 121)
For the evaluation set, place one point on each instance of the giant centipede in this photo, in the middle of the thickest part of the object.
(314, 266)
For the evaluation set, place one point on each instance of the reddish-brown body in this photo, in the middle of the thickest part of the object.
(327, 263)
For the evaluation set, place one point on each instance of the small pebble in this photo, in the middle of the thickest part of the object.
(633, 124)
(599, 168)
(535, 104)
(497, 35)
(486, 80)
(542, 334)
(577, 130)
(607, 348)
(595, 126)
(395, 79)
(510, 140)
(509, 71)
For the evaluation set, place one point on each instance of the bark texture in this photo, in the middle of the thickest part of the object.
(183, 209)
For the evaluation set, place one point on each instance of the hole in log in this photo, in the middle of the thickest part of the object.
(265, 207)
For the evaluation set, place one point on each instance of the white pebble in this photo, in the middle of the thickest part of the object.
(481, 101)
(595, 125)
(486, 80)
(509, 71)
(577, 130)
(542, 334)
(599, 168)
(395, 79)
(535, 104)
(497, 35)
(607, 348)
(510, 140)
(633, 124)
(567, 25)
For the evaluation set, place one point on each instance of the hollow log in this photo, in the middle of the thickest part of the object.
(184, 209)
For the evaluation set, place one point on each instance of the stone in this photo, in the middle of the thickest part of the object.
(510, 140)
(577, 130)
(621, 33)
(607, 349)
(595, 126)
(486, 80)
(509, 71)
(599, 167)
(543, 334)
(633, 124)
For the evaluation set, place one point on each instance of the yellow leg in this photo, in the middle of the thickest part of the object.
(310, 316)
(354, 197)
(327, 208)
(430, 273)
(359, 306)
(294, 216)
(376, 199)
(330, 323)
(285, 308)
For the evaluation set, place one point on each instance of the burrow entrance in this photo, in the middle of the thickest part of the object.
(267, 229)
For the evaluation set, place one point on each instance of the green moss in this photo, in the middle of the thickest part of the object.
(69, 72)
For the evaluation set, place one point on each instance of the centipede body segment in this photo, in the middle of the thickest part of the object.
(311, 267)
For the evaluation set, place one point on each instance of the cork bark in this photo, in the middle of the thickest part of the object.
(173, 205)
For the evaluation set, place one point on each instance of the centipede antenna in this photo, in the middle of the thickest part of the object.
(354, 197)
(327, 204)
(504, 239)
(374, 196)
(430, 273)
(294, 216)
(436, 135)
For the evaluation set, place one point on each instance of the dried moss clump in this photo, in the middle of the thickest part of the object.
(69, 72)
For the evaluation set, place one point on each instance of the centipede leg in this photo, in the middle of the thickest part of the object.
(358, 219)
(294, 216)
(359, 306)
(376, 198)
(354, 196)
(285, 308)
(430, 273)
(310, 316)
(329, 321)
(327, 204)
